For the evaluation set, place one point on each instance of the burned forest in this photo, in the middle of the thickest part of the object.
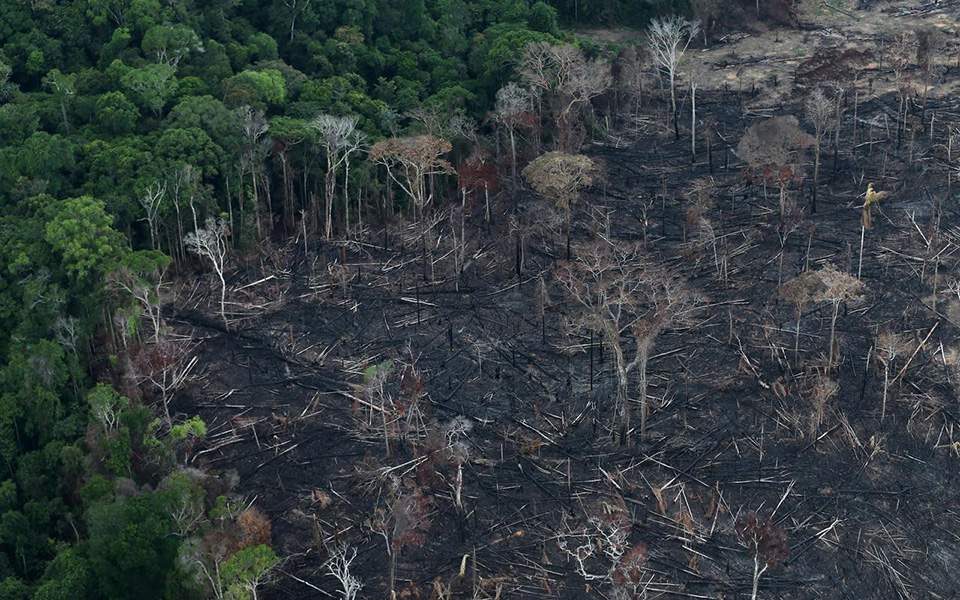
(666, 311)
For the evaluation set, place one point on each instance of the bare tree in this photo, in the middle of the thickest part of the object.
(560, 177)
(563, 75)
(513, 104)
(819, 111)
(765, 541)
(631, 74)
(410, 160)
(143, 281)
(621, 294)
(339, 138)
(668, 39)
(338, 567)
(838, 287)
(772, 148)
(254, 127)
(167, 366)
(800, 291)
(151, 200)
(696, 74)
(890, 345)
(210, 242)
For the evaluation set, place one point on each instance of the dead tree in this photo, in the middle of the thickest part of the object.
(621, 294)
(141, 277)
(668, 39)
(772, 149)
(819, 111)
(765, 541)
(889, 346)
(151, 200)
(409, 161)
(800, 291)
(339, 138)
(254, 127)
(210, 242)
(167, 367)
(338, 566)
(560, 177)
(511, 110)
(696, 75)
(403, 523)
(562, 75)
(631, 73)
(837, 288)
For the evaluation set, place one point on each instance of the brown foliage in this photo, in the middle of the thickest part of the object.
(764, 537)
(255, 528)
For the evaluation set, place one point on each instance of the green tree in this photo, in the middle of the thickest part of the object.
(131, 548)
(82, 233)
(151, 86)
(116, 114)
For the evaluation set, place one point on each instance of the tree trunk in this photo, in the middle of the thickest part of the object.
(644, 352)
(329, 188)
(816, 175)
(693, 123)
(833, 331)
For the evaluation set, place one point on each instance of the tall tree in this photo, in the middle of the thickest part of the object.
(668, 39)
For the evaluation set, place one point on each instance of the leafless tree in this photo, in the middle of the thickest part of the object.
(800, 291)
(410, 160)
(696, 74)
(838, 287)
(167, 367)
(622, 294)
(339, 138)
(668, 39)
(254, 127)
(512, 107)
(772, 148)
(338, 567)
(819, 111)
(631, 75)
(563, 75)
(210, 242)
(765, 541)
(890, 345)
(151, 199)
(146, 288)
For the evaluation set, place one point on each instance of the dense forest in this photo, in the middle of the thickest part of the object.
(190, 190)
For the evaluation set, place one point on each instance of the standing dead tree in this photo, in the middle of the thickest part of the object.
(800, 291)
(837, 288)
(629, 72)
(563, 76)
(338, 567)
(141, 277)
(409, 161)
(772, 148)
(512, 109)
(339, 138)
(151, 200)
(254, 127)
(819, 111)
(598, 544)
(621, 294)
(210, 242)
(890, 345)
(560, 177)
(668, 39)
(765, 541)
